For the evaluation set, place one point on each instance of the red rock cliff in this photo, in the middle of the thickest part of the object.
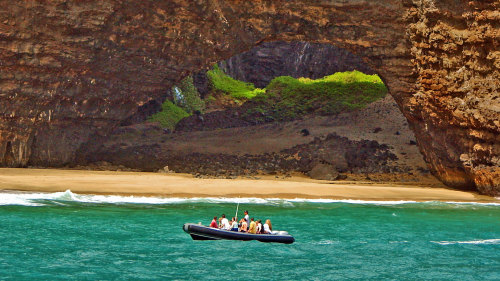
(70, 69)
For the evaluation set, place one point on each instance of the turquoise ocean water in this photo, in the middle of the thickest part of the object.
(65, 236)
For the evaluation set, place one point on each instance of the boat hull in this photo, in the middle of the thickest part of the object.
(200, 232)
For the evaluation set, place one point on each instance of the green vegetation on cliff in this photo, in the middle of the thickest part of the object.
(284, 98)
(186, 101)
(287, 98)
(237, 89)
(169, 116)
(187, 97)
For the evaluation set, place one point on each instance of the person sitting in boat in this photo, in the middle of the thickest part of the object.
(214, 223)
(268, 228)
(244, 225)
(253, 227)
(234, 224)
(247, 218)
(224, 223)
(259, 227)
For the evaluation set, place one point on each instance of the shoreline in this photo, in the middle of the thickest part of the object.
(186, 186)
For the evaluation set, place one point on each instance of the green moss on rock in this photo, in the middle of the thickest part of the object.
(187, 97)
(169, 116)
(287, 98)
(237, 89)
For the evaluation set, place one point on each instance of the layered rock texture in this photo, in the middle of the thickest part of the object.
(71, 70)
(455, 109)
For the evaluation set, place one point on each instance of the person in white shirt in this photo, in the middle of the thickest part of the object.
(234, 224)
(224, 223)
(247, 218)
(268, 228)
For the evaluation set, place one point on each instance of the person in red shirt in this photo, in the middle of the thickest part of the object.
(214, 223)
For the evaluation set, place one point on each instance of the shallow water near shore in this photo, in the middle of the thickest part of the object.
(61, 236)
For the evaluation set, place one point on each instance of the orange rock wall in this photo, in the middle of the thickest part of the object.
(455, 50)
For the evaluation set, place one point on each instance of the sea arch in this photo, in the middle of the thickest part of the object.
(73, 69)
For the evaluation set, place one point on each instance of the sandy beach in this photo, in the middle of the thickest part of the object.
(181, 185)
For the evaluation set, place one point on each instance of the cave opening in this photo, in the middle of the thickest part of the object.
(252, 115)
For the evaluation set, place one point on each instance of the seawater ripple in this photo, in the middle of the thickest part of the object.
(37, 199)
(485, 241)
(71, 236)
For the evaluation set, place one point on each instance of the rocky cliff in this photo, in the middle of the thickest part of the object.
(72, 69)
(456, 104)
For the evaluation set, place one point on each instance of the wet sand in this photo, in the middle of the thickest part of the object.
(181, 185)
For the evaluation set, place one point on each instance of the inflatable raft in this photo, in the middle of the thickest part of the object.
(201, 232)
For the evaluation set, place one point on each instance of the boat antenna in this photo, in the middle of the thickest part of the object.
(237, 207)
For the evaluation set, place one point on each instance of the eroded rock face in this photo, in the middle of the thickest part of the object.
(456, 105)
(72, 69)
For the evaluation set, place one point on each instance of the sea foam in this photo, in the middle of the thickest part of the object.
(41, 199)
(485, 241)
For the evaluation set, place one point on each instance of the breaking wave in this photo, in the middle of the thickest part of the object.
(41, 199)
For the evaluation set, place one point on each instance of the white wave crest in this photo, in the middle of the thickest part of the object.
(327, 242)
(37, 199)
(486, 241)
(30, 199)
(14, 199)
(473, 203)
(40, 199)
(350, 201)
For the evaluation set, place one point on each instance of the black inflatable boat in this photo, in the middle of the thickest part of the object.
(201, 232)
